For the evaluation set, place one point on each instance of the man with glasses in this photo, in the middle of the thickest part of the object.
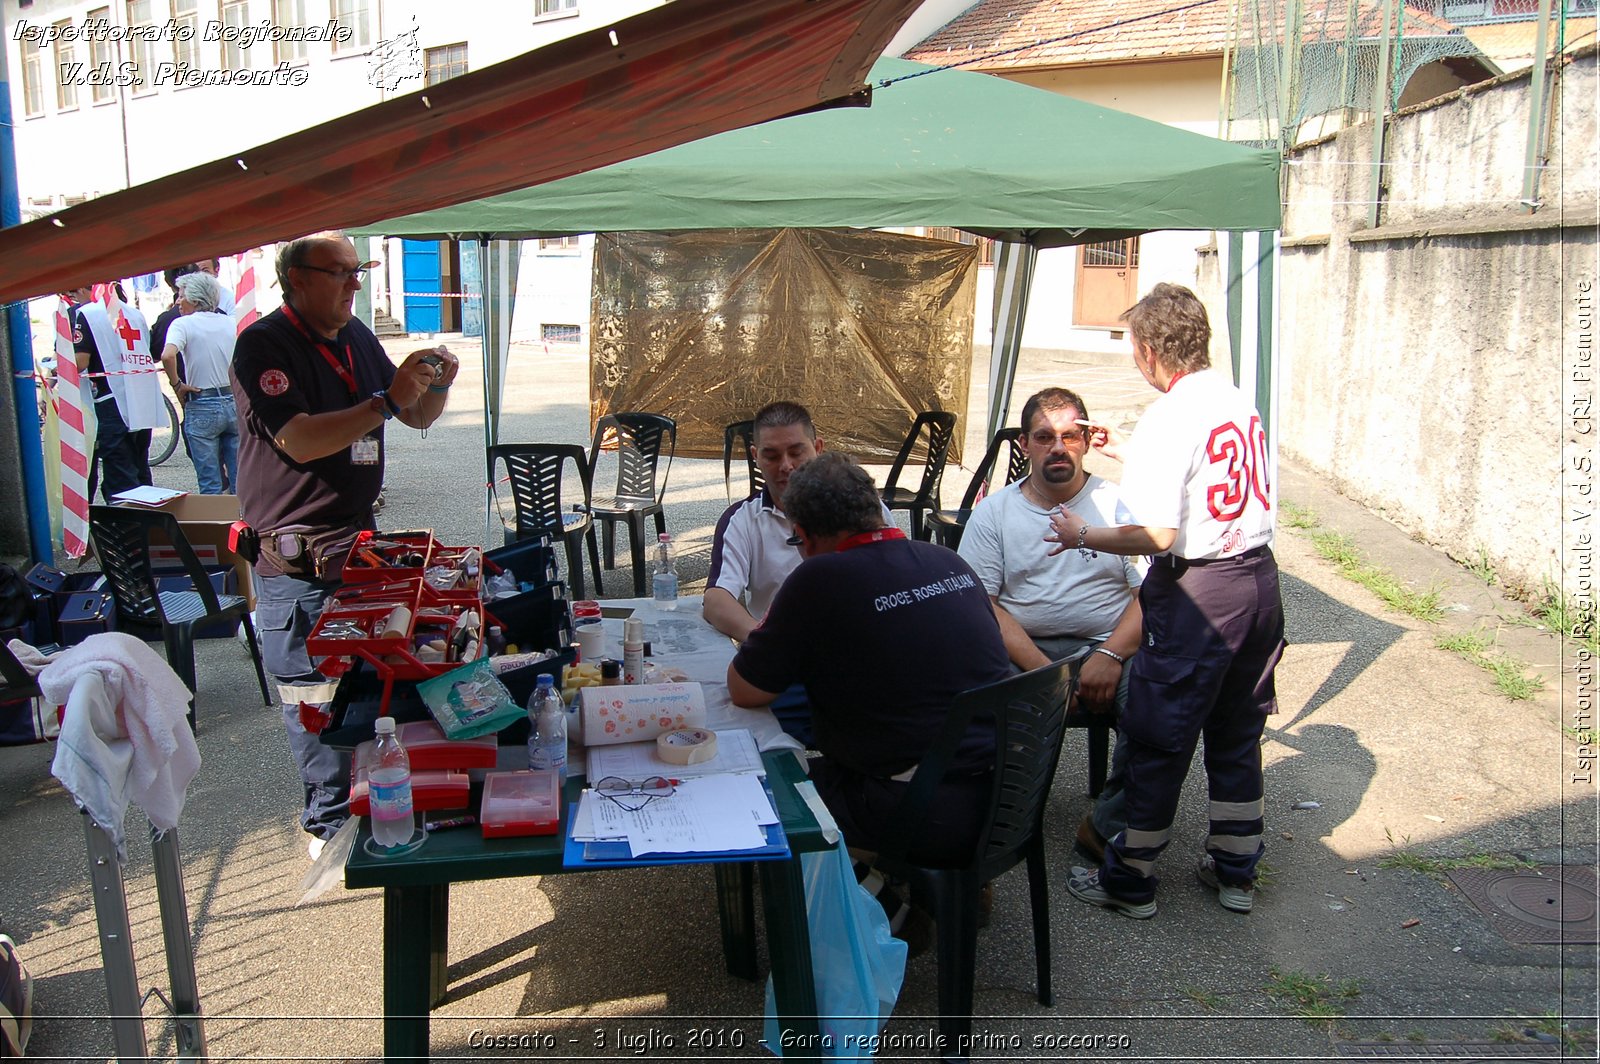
(314, 390)
(1055, 607)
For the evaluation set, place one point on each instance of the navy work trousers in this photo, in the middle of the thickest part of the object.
(1212, 638)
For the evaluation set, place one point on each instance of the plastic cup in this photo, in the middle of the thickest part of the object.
(591, 641)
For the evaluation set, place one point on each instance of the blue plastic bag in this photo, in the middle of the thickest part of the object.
(858, 965)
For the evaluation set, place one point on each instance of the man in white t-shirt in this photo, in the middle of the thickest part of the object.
(1197, 490)
(1052, 607)
(750, 552)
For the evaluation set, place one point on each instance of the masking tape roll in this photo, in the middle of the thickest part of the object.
(687, 746)
(397, 625)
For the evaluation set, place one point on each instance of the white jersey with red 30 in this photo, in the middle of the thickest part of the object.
(1198, 462)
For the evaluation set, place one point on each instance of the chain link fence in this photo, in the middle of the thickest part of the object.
(1274, 97)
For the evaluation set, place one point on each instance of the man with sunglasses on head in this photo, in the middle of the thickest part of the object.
(1061, 606)
(314, 390)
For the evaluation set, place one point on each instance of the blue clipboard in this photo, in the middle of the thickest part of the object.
(577, 854)
(618, 855)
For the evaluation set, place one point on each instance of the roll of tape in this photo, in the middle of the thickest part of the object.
(687, 746)
(396, 625)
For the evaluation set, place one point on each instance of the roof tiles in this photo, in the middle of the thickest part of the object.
(1002, 34)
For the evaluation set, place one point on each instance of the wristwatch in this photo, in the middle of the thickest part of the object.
(382, 404)
(1112, 654)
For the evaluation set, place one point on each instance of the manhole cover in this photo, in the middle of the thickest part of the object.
(1550, 905)
(1463, 1051)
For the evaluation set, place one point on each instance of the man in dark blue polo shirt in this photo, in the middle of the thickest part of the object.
(314, 390)
(884, 632)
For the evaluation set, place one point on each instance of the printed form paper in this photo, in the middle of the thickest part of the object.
(710, 814)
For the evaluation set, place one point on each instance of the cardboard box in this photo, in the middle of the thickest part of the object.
(205, 520)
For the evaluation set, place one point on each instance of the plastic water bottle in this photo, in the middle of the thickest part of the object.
(547, 728)
(389, 789)
(666, 578)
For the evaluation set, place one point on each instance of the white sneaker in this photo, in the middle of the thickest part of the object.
(1084, 884)
(314, 847)
(1234, 899)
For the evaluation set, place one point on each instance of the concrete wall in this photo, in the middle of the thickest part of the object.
(1423, 361)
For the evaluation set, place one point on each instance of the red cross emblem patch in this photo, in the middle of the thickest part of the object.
(274, 382)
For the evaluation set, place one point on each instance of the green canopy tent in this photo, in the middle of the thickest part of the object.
(935, 148)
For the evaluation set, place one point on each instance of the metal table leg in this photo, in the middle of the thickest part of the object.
(179, 946)
(116, 944)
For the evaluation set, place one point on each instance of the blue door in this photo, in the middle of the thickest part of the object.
(421, 270)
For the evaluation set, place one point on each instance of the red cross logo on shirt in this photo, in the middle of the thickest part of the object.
(125, 330)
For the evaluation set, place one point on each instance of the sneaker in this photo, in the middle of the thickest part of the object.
(314, 847)
(1234, 899)
(1090, 842)
(1084, 884)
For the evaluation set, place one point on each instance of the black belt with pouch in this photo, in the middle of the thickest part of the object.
(309, 553)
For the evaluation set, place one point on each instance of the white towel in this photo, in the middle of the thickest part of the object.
(30, 658)
(126, 734)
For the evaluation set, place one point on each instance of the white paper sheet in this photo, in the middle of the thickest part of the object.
(148, 495)
(736, 752)
(707, 815)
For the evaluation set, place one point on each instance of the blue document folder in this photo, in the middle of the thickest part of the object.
(617, 854)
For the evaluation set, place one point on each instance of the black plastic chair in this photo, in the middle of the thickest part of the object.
(122, 540)
(1029, 711)
(640, 441)
(941, 427)
(16, 683)
(947, 525)
(535, 471)
(741, 434)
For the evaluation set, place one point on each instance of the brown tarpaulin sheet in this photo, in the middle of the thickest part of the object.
(866, 329)
(681, 71)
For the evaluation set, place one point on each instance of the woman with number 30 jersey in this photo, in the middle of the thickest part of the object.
(1197, 496)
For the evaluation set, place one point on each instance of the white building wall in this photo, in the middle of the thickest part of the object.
(553, 290)
(146, 132)
(1181, 93)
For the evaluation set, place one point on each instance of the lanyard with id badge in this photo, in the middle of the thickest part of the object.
(366, 450)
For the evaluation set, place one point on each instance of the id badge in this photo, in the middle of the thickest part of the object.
(364, 451)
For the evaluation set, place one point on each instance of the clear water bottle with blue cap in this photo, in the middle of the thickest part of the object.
(547, 728)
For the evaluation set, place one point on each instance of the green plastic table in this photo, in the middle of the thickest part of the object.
(416, 907)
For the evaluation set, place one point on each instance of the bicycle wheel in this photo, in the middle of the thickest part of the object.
(163, 441)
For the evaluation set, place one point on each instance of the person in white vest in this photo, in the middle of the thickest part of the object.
(111, 337)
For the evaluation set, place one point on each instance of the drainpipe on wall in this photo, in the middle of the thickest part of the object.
(1538, 114)
(19, 340)
(1380, 114)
